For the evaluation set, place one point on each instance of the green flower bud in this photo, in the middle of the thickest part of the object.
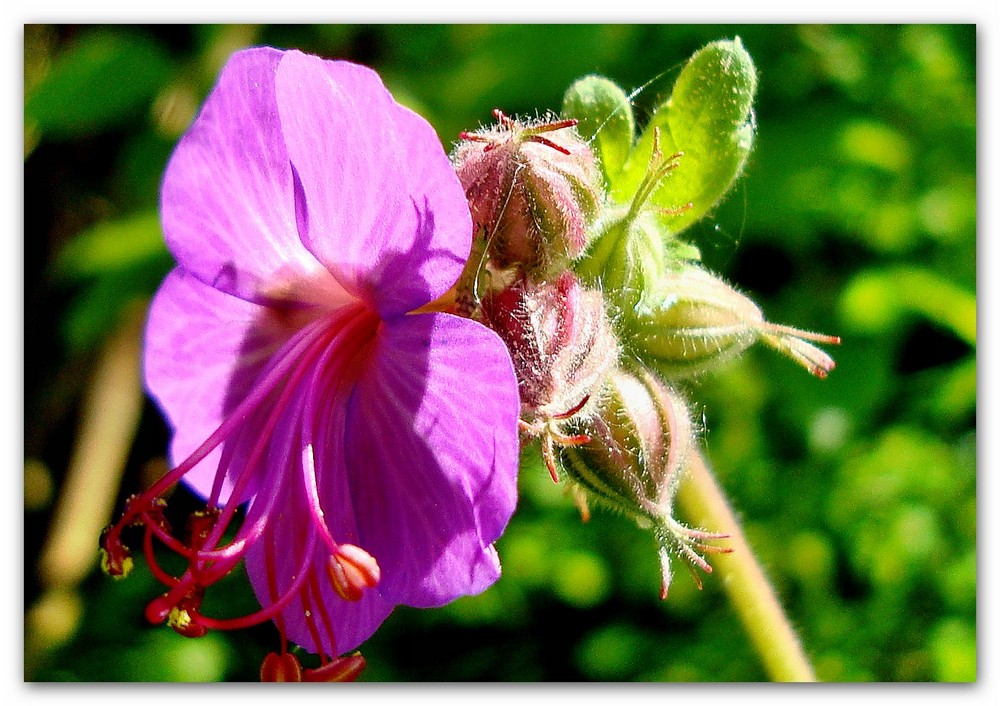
(630, 250)
(634, 457)
(692, 321)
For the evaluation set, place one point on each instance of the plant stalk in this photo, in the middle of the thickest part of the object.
(776, 642)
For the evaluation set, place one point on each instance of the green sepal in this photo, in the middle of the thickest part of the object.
(606, 120)
(626, 260)
(708, 117)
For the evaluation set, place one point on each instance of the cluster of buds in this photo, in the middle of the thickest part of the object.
(534, 190)
(602, 319)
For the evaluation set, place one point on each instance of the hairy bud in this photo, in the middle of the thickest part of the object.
(559, 338)
(638, 445)
(533, 190)
(692, 321)
(562, 347)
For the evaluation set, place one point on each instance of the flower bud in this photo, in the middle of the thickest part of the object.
(638, 445)
(640, 438)
(632, 246)
(560, 341)
(692, 321)
(627, 259)
(562, 348)
(533, 190)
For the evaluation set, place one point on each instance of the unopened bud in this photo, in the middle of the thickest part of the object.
(692, 321)
(560, 341)
(533, 190)
(635, 457)
(640, 438)
(631, 245)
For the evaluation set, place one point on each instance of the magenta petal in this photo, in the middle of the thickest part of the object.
(377, 200)
(287, 541)
(293, 543)
(203, 350)
(227, 205)
(432, 456)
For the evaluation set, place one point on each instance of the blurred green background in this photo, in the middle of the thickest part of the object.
(856, 216)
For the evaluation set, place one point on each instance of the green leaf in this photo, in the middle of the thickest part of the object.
(110, 265)
(606, 121)
(709, 118)
(112, 246)
(102, 81)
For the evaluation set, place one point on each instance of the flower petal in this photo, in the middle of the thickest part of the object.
(377, 200)
(351, 622)
(291, 543)
(227, 206)
(432, 456)
(203, 351)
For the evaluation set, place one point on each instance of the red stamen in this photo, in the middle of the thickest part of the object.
(324, 615)
(566, 440)
(154, 566)
(280, 668)
(341, 669)
(322, 349)
(116, 559)
(547, 142)
(311, 625)
(265, 614)
(549, 456)
(556, 125)
(353, 330)
(573, 410)
(277, 375)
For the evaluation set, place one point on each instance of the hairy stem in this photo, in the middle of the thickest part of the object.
(704, 504)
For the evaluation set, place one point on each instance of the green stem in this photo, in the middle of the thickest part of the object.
(704, 504)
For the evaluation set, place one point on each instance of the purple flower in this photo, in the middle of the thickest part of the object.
(374, 449)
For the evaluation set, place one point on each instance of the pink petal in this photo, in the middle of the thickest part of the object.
(377, 200)
(227, 207)
(203, 351)
(353, 622)
(432, 456)
(288, 534)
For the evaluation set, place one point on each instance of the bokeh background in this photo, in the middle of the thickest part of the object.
(856, 216)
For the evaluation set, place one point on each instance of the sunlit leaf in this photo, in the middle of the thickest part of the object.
(709, 118)
(606, 120)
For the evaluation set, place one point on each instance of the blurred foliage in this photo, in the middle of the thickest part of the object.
(856, 215)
